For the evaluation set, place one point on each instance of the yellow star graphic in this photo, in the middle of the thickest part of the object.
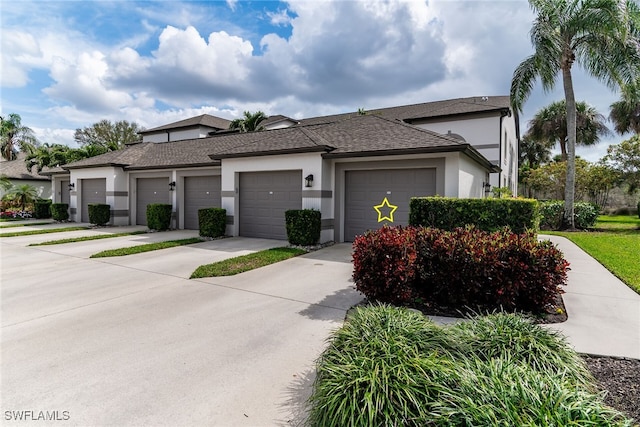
(392, 209)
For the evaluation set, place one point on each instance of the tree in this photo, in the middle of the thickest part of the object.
(549, 126)
(625, 157)
(22, 194)
(15, 137)
(110, 136)
(250, 122)
(47, 155)
(599, 35)
(533, 152)
(625, 114)
(5, 182)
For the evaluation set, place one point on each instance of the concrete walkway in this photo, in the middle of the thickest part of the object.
(604, 313)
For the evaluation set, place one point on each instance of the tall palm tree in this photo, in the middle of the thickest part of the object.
(534, 152)
(625, 114)
(549, 125)
(599, 35)
(250, 122)
(13, 136)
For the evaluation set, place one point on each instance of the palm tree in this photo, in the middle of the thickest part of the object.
(534, 152)
(625, 114)
(549, 126)
(601, 36)
(22, 195)
(47, 155)
(15, 136)
(250, 122)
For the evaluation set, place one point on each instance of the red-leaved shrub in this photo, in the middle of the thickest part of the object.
(465, 267)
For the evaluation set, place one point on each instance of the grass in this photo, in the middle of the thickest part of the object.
(615, 244)
(231, 266)
(46, 231)
(23, 225)
(146, 248)
(86, 238)
(391, 366)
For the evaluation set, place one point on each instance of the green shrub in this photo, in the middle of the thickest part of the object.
(585, 214)
(212, 222)
(99, 214)
(42, 208)
(638, 208)
(60, 211)
(458, 269)
(492, 214)
(303, 226)
(159, 216)
(388, 366)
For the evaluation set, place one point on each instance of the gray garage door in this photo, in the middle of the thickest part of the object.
(367, 189)
(264, 197)
(93, 191)
(150, 190)
(199, 192)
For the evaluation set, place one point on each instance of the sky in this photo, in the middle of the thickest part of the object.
(69, 64)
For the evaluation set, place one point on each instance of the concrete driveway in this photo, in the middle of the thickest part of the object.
(131, 341)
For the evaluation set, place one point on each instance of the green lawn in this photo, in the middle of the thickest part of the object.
(146, 248)
(86, 238)
(231, 266)
(45, 231)
(615, 243)
(23, 225)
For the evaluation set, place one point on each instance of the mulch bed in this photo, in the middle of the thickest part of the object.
(620, 378)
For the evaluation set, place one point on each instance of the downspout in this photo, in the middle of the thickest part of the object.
(168, 136)
(503, 114)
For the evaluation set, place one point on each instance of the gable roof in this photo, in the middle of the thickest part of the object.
(202, 120)
(17, 169)
(408, 113)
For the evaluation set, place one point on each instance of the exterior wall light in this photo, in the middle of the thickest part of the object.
(308, 181)
(72, 186)
(172, 186)
(487, 187)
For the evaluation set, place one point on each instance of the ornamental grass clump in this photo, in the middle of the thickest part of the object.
(389, 366)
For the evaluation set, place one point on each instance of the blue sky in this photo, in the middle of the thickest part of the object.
(68, 64)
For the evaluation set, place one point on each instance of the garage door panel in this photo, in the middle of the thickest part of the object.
(365, 189)
(150, 190)
(93, 191)
(200, 192)
(264, 197)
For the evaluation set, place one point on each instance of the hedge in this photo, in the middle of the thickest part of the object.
(159, 216)
(99, 214)
(465, 267)
(585, 215)
(212, 222)
(303, 226)
(42, 208)
(60, 211)
(491, 214)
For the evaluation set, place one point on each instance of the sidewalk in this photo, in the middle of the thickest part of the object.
(604, 313)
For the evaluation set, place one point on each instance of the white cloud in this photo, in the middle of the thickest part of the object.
(281, 17)
(232, 4)
(20, 53)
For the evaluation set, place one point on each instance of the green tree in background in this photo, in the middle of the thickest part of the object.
(15, 137)
(110, 136)
(250, 122)
(599, 35)
(625, 114)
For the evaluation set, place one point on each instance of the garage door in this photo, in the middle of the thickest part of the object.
(93, 191)
(199, 192)
(150, 190)
(264, 197)
(378, 197)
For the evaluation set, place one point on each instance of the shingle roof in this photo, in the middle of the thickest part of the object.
(277, 118)
(17, 169)
(425, 110)
(202, 120)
